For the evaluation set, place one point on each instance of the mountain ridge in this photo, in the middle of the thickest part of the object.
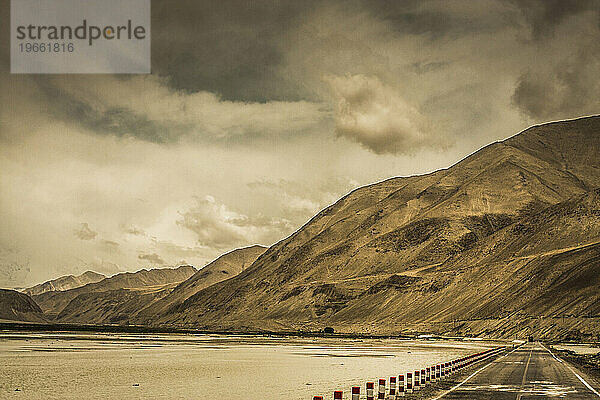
(223, 267)
(402, 224)
(64, 283)
(122, 305)
(52, 303)
(17, 306)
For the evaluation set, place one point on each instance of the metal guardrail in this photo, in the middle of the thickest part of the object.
(401, 387)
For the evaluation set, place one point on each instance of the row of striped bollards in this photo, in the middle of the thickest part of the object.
(400, 387)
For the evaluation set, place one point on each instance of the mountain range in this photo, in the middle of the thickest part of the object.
(77, 305)
(65, 283)
(505, 242)
(133, 297)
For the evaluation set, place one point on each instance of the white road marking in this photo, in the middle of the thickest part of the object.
(525, 375)
(584, 382)
(551, 353)
(574, 373)
(533, 389)
(470, 376)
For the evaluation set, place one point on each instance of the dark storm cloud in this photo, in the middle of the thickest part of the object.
(153, 258)
(559, 93)
(122, 122)
(238, 48)
(425, 67)
(102, 119)
(233, 48)
(545, 15)
(441, 19)
(564, 83)
(147, 109)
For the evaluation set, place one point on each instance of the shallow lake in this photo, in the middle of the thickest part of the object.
(130, 366)
(578, 348)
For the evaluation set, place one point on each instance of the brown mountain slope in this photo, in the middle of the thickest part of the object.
(404, 226)
(126, 306)
(226, 266)
(116, 306)
(53, 303)
(543, 265)
(18, 306)
(65, 283)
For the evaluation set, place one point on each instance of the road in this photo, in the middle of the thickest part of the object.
(530, 372)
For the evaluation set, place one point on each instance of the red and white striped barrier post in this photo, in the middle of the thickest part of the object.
(355, 392)
(409, 385)
(433, 373)
(370, 390)
(400, 386)
(423, 377)
(417, 381)
(392, 388)
(437, 372)
(337, 395)
(381, 393)
(443, 370)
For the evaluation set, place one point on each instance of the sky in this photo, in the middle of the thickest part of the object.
(258, 114)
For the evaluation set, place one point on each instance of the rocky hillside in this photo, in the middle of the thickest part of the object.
(65, 283)
(18, 306)
(226, 266)
(116, 306)
(502, 242)
(151, 280)
(142, 304)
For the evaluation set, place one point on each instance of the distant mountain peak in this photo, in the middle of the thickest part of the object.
(65, 283)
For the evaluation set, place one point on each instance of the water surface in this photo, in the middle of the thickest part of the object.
(578, 348)
(132, 366)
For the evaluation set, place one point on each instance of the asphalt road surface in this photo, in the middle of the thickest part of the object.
(530, 372)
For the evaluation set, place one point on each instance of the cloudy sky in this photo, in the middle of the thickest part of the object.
(260, 113)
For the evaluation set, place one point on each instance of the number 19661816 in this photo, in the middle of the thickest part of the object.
(46, 47)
